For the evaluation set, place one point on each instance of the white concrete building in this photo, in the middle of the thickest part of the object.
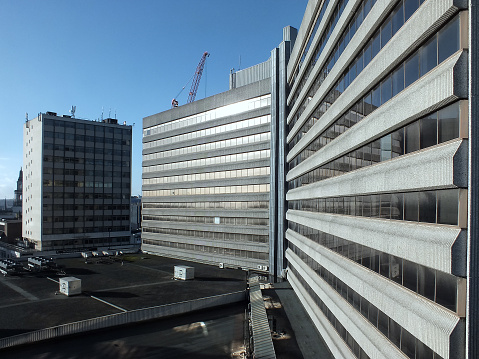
(381, 211)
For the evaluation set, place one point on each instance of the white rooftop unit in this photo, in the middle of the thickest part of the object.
(70, 286)
(184, 272)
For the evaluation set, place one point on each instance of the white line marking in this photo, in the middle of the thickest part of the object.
(19, 290)
(53, 280)
(112, 305)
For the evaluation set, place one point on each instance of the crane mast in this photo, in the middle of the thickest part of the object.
(196, 81)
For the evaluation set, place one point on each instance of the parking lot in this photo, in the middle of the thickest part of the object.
(32, 301)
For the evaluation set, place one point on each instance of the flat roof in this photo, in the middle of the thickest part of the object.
(129, 282)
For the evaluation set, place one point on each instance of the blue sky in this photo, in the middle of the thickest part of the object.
(127, 57)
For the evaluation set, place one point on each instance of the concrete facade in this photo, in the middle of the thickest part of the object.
(76, 183)
(370, 259)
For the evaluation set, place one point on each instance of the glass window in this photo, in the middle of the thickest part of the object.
(408, 343)
(397, 143)
(385, 207)
(447, 206)
(412, 137)
(386, 90)
(428, 126)
(394, 333)
(367, 109)
(410, 275)
(386, 32)
(398, 80)
(427, 207)
(426, 282)
(411, 206)
(446, 290)
(367, 54)
(428, 56)
(411, 70)
(376, 98)
(410, 6)
(397, 18)
(376, 45)
(448, 40)
(385, 143)
(423, 351)
(448, 123)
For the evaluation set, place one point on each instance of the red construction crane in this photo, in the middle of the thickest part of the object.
(196, 81)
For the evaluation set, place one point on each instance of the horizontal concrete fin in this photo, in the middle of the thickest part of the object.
(430, 92)
(431, 168)
(427, 321)
(425, 244)
(373, 342)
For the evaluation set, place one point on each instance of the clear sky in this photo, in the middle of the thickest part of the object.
(130, 57)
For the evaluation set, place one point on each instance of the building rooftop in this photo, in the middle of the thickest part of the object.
(32, 301)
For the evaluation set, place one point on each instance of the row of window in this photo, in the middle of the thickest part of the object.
(96, 219)
(93, 243)
(98, 151)
(312, 35)
(210, 205)
(223, 111)
(202, 162)
(83, 228)
(237, 221)
(350, 29)
(229, 127)
(117, 175)
(250, 172)
(440, 206)
(222, 236)
(343, 333)
(87, 161)
(443, 44)
(125, 140)
(99, 129)
(87, 184)
(257, 188)
(98, 195)
(232, 142)
(377, 41)
(435, 128)
(400, 337)
(79, 208)
(197, 248)
(432, 284)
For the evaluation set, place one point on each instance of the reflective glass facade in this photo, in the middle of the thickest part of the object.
(206, 183)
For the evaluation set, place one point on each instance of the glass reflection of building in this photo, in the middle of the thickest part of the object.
(377, 187)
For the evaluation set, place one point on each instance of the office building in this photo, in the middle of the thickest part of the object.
(207, 172)
(76, 183)
(381, 213)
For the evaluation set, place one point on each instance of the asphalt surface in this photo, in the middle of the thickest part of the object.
(32, 302)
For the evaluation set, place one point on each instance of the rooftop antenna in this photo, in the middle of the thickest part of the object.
(72, 111)
(239, 67)
(26, 116)
(102, 113)
(109, 113)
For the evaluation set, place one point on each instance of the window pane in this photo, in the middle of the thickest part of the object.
(376, 98)
(428, 56)
(385, 143)
(408, 343)
(411, 70)
(376, 45)
(386, 90)
(397, 206)
(410, 6)
(394, 333)
(448, 123)
(423, 351)
(447, 206)
(446, 290)
(429, 130)
(411, 209)
(397, 143)
(398, 80)
(410, 275)
(448, 40)
(412, 137)
(427, 207)
(398, 18)
(426, 282)
(386, 32)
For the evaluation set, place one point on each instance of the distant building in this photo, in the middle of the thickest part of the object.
(17, 199)
(209, 168)
(76, 183)
(135, 213)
